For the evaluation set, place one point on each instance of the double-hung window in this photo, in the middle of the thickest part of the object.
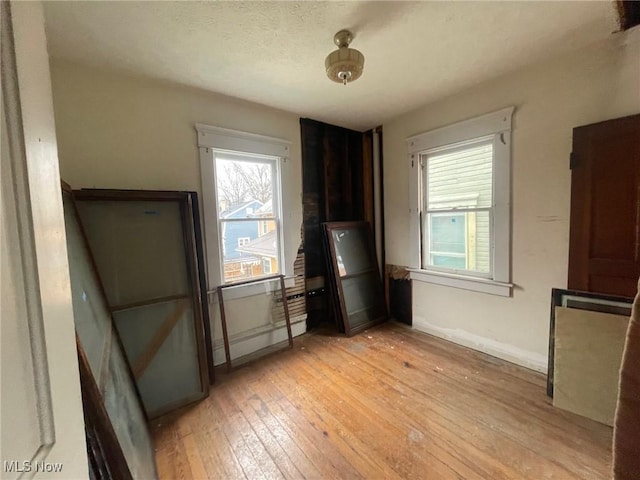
(242, 200)
(457, 183)
(460, 194)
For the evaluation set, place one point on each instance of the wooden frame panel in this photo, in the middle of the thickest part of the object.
(105, 391)
(368, 271)
(223, 317)
(629, 13)
(106, 459)
(194, 260)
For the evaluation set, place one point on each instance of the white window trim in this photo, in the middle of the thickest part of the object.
(234, 140)
(475, 284)
(210, 140)
(496, 124)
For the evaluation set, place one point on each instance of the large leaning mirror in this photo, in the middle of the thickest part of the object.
(357, 285)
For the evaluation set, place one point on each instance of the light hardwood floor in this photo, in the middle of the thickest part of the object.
(388, 403)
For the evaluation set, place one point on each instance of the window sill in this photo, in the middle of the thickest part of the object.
(482, 285)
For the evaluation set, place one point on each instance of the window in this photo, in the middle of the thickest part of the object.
(241, 191)
(266, 265)
(245, 187)
(457, 182)
(460, 193)
(447, 241)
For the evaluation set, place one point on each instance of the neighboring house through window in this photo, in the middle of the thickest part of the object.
(446, 240)
(457, 183)
(241, 193)
(265, 249)
(266, 265)
(235, 231)
(460, 193)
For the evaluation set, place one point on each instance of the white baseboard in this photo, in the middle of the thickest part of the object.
(524, 358)
(257, 339)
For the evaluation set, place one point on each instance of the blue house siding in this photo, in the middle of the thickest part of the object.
(232, 231)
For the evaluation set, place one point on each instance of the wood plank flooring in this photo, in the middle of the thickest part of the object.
(388, 403)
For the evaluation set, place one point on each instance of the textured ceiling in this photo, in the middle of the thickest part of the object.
(273, 52)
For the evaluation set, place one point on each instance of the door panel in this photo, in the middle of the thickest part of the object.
(605, 205)
(19, 405)
(614, 190)
(41, 407)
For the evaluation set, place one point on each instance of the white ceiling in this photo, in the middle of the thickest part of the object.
(273, 52)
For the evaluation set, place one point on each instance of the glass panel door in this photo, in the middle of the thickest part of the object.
(142, 254)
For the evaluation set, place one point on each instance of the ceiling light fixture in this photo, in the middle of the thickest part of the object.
(345, 64)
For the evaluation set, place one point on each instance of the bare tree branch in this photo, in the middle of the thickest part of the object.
(231, 187)
(257, 180)
(243, 181)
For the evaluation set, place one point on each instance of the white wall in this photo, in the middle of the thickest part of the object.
(117, 131)
(595, 84)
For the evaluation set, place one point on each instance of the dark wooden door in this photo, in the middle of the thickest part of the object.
(604, 246)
